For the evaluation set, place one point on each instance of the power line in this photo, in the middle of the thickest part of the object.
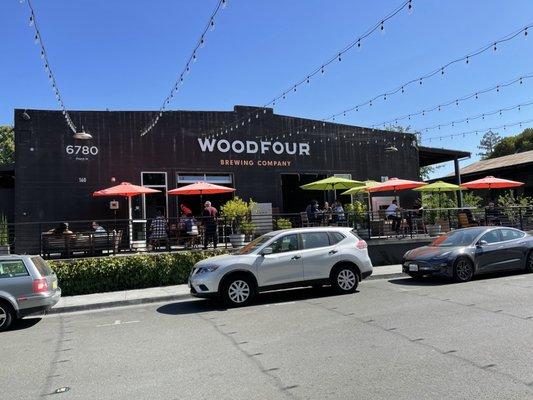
(48, 69)
(455, 101)
(186, 69)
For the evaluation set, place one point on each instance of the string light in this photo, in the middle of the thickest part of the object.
(48, 69)
(519, 123)
(455, 101)
(192, 59)
(499, 111)
(338, 55)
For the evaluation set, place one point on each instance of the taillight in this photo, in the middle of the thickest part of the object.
(40, 285)
(361, 244)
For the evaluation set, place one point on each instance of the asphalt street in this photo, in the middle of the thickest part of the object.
(394, 339)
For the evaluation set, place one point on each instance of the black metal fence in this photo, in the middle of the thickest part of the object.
(53, 239)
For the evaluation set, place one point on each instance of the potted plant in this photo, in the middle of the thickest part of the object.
(431, 203)
(358, 218)
(4, 235)
(283, 223)
(236, 211)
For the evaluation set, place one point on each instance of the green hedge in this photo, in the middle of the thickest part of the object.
(107, 274)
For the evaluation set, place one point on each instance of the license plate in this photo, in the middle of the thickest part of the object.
(413, 267)
(54, 285)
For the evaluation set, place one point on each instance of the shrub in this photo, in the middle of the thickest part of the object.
(283, 223)
(4, 232)
(106, 274)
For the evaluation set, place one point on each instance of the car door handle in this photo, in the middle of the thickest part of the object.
(296, 257)
(332, 251)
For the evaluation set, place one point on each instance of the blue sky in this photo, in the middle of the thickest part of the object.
(124, 55)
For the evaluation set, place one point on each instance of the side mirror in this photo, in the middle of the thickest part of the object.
(481, 243)
(266, 251)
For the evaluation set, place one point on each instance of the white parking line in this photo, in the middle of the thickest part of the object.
(117, 322)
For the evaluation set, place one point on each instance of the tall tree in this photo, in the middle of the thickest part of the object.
(7, 145)
(514, 144)
(487, 143)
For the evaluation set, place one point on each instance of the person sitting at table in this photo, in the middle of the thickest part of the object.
(338, 212)
(392, 214)
(60, 230)
(98, 229)
(492, 214)
(327, 212)
(191, 228)
(312, 211)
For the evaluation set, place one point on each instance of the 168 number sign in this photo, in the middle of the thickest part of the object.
(84, 150)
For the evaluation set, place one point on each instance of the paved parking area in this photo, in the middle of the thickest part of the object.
(394, 339)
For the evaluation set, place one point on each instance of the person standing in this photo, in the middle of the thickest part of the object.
(209, 218)
(312, 211)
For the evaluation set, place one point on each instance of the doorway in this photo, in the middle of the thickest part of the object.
(296, 199)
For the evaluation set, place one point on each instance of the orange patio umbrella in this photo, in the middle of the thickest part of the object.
(125, 189)
(201, 188)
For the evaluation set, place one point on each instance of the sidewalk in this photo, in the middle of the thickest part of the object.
(159, 294)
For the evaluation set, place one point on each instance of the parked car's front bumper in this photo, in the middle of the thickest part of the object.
(204, 285)
(437, 267)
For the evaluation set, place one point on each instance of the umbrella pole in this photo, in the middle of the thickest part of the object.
(130, 222)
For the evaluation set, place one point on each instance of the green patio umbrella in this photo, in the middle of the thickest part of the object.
(439, 186)
(363, 189)
(332, 183)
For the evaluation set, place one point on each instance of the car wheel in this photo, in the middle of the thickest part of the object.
(463, 270)
(6, 316)
(529, 262)
(237, 291)
(345, 279)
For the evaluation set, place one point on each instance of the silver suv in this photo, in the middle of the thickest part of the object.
(333, 256)
(27, 286)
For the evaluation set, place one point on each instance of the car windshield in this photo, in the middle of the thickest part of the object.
(456, 238)
(255, 244)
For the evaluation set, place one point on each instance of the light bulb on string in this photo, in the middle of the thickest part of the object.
(322, 70)
(525, 31)
(42, 53)
(202, 42)
(224, 3)
(382, 27)
(495, 47)
(420, 81)
(339, 57)
(31, 20)
(194, 57)
(308, 80)
(498, 88)
(467, 59)
(410, 7)
(212, 25)
(442, 71)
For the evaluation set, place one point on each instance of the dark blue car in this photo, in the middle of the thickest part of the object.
(463, 253)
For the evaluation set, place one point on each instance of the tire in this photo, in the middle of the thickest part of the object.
(237, 291)
(344, 279)
(529, 262)
(463, 270)
(6, 316)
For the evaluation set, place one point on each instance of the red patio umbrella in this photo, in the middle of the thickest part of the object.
(394, 184)
(201, 188)
(490, 182)
(128, 190)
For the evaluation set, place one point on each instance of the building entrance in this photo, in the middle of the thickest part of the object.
(296, 199)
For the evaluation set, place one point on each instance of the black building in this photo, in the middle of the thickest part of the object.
(263, 155)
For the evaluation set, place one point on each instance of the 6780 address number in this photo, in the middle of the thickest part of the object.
(84, 150)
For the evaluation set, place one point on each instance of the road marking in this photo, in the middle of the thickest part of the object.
(117, 322)
(279, 304)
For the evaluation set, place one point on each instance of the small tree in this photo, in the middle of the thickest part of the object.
(487, 144)
(4, 231)
(7, 145)
(237, 211)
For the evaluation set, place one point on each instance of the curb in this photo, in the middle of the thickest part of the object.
(118, 303)
(157, 299)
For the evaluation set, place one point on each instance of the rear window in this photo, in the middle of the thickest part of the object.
(511, 234)
(335, 237)
(12, 269)
(42, 266)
